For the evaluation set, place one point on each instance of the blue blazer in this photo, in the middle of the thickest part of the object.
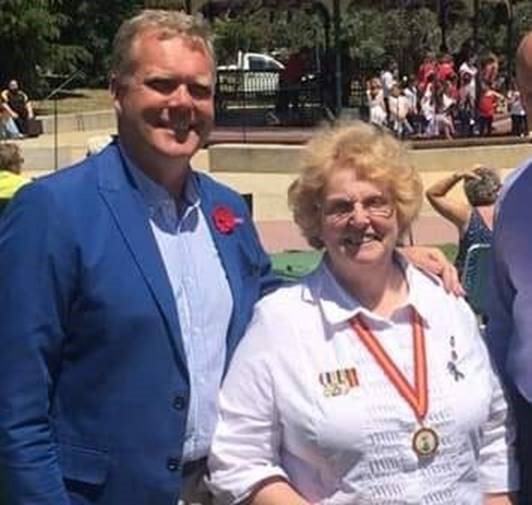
(94, 385)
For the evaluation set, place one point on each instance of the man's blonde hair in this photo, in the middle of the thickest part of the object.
(166, 24)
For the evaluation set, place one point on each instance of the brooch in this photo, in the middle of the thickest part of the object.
(451, 364)
(224, 219)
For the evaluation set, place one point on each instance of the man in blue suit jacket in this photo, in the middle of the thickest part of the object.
(127, 280)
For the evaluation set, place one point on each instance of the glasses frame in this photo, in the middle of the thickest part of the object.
(385, 213)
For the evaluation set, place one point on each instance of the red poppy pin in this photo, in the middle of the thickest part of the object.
(224, 219)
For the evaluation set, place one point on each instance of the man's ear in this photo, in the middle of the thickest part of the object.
(116, 90)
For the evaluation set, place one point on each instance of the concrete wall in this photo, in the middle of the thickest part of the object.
(275, 159)
(266, 171)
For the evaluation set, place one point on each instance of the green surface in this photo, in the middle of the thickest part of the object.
(449, 250)
(294, 264)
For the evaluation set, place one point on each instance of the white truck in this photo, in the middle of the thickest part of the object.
(253, 73)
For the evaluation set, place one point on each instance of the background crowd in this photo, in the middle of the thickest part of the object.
(446, 98)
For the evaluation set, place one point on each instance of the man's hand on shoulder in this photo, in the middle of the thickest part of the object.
(433, 261)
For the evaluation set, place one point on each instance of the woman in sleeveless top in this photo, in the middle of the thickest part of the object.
(474, 218)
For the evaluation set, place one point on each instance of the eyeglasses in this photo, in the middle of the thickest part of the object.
(342, 208)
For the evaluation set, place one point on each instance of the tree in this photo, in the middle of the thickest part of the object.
(254, 28)
(366, 32)
(92, 24)
(239, 30)
(29, 32)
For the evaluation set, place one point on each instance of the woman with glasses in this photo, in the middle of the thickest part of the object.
(364, 383)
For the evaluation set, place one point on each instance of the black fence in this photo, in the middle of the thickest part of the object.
(258, 98)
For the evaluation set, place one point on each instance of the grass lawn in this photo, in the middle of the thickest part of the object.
(293, 264)
(449, 250)
(75, 100)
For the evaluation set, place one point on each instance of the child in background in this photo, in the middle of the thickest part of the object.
(399, 108)
(377, 108)
(516, 110)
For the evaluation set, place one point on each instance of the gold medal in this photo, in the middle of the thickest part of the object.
(425, 442)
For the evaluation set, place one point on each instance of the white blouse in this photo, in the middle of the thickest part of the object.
(278, 417)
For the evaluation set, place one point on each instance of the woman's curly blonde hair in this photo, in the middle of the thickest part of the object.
(373, 153)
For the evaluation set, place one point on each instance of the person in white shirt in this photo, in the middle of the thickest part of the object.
(469, 68)
(364, 383)
(399, 108)
(377, 108)
(516, 110)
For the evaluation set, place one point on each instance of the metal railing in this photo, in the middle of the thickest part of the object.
(257, 98)
(54, 95)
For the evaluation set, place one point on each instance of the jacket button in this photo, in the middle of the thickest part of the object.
(172, 464)
(179, 403)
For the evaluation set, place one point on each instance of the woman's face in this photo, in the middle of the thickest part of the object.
(358, 223)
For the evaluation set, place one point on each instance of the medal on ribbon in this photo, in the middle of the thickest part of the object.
(425, 440)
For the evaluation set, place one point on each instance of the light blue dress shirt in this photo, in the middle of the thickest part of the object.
(509, 328)
(202, 295)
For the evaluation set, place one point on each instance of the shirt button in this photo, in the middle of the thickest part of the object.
(179, 403)
(172, 464)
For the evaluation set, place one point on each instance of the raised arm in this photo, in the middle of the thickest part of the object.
(438, 196)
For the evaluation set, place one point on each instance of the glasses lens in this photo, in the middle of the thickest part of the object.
(342, 208)
(378, 206)
(338, 207)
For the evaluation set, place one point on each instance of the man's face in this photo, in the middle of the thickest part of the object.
(165, 106)
(13, 85)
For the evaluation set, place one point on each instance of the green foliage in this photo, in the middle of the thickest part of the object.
(256, 29)
(368, 36)
(58, 36)
(522, 16)
(29, 31)
(243, 31)
(93, 23)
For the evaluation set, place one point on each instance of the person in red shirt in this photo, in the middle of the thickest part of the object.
(427, 68)
(445, 67)
(487, 105)
(290, 81)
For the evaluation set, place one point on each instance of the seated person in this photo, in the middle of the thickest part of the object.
(8, 127)
(18, 105)
(11, 162)
(365, 382)
(474, 218)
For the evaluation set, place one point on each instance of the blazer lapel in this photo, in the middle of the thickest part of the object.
(132, 219)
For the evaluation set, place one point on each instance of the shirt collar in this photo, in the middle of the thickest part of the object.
(157, 198)
(338, 306)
